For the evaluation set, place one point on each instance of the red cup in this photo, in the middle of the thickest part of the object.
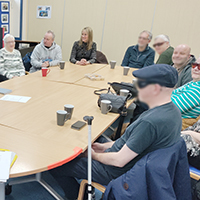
(45, 71)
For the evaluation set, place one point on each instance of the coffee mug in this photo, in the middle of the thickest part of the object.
(126, 69)
(105, 106)
(112, 64)
(45, 71)
(62, 64)
(69, 108)
(125, 93)
(62, 117)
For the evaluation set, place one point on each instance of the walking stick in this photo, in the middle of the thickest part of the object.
(89, 119)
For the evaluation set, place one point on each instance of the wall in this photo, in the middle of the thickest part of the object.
(116, 23)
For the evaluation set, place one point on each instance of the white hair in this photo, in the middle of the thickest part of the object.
(163, 37)
(52, 33)
(8, 36)
(150, 35)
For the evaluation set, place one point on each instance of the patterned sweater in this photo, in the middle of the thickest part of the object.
(11, 63)
(187, 98)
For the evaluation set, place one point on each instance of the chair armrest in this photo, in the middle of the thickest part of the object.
(84, 184)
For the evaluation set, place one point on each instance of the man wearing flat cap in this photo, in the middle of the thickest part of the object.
(157, 128)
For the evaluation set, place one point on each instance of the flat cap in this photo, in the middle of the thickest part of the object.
(163, 74)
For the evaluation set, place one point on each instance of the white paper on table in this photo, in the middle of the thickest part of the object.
(15, 98)
(5, 158)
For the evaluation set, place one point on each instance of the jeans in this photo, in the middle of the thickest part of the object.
(65, 175)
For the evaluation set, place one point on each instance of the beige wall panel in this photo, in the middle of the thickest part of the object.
(125, 19)
(79, 14)
(38, 27)
(180, 21)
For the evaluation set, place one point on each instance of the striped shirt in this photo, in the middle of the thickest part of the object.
(187, 99)
(11, 63)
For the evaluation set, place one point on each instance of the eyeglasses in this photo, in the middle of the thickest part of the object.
(143, 38)
(196, 65)
(158, 44)
(143, 83)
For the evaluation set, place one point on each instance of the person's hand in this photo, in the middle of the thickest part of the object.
(45, 64)
(82, 62)
(98, 147)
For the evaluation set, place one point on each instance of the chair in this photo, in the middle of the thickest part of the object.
(161, 174)
(101, 58)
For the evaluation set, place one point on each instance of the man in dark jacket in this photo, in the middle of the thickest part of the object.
(140, 55)
(182, 62)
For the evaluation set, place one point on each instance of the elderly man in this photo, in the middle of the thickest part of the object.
(146, 134)
(182, 62)
(140, 55)
(187, 97)
(11, 64)
(163, 48)
(46, 54)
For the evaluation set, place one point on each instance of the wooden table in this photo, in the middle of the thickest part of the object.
(30, 129)
(71, 73)
(110, 75)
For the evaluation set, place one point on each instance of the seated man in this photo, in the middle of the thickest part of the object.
(46, 54)
(182, 62)
(140, 55)
(11, 64)
(158, 127)
(187, 97)
(163, 48)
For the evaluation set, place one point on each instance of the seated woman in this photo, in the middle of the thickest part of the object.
(163, 48)
(191, 135)
(84, 50)
(11, 64)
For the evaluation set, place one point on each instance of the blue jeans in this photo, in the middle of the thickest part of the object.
(65, 175)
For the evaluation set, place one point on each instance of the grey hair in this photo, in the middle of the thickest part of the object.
(7, 36)
(150, 35)
(163, 37)
(52, 33)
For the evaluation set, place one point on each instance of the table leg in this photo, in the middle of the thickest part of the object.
(2, 190)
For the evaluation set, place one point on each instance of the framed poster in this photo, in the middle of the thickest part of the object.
(44, 12)
(5, 16)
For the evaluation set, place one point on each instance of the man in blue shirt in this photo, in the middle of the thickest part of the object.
(140, 55)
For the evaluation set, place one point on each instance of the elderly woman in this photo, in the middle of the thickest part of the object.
(163, 48)
(11, 64)
(84, 50)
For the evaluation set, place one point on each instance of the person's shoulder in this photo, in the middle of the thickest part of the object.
(159, 112)
(76, 43)
(17, 52)
(38, 46)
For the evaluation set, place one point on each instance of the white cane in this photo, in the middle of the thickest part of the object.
(89, 121)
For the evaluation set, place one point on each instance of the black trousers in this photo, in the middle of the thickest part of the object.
(3, 78)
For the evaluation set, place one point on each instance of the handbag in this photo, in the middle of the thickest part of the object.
(123, 85)
(117, 102)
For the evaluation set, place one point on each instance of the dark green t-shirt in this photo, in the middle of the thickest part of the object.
(156, 128)
(166, 56)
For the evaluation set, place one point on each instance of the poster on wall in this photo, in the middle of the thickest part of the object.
(44, 12)
(5, 16)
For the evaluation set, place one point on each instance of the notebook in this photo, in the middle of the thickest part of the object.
(5, 159)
